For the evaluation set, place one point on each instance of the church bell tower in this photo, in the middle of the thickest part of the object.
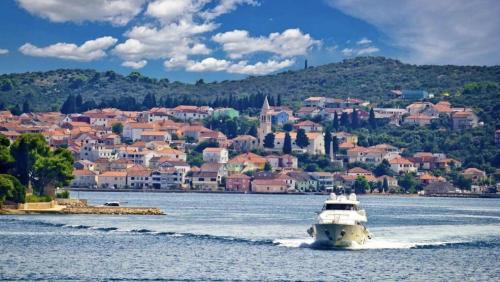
(265, 124)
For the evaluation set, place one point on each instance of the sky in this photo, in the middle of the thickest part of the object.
(186, 40)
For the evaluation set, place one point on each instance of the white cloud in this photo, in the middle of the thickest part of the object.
(3, 51)
(260, 68)
(226, 6)
(88, 51)
(241, 67)
(171, 10)
(347, 51)
(135, 65)
(364, 41)
(367, 51)
(289, 43)
(173, 40)
(178, 33)
(442, 32)
(117, 12)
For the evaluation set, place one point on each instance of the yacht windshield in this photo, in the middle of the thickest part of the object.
(343, 207)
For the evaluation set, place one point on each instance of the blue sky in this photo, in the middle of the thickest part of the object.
(230, 39)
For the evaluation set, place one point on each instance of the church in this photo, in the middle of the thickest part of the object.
(316, 139)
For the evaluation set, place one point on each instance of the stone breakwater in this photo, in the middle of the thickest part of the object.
(112, 210)
(77, 206)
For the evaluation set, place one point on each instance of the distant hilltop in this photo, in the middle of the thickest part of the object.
(362, 77)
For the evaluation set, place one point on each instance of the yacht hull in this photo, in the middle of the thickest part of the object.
(339, 235)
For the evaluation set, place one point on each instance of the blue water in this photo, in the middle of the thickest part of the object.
(253, 237)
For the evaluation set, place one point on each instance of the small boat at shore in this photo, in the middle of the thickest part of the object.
(340, 223)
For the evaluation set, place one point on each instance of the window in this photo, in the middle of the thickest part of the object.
(343, 207)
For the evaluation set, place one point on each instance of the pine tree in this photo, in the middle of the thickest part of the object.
(328, 140)
(302, 140)
(268, 167)
(26, 107)
(355, 119)
(385, 185)
(253, 130)
(287, 144)
(16, 110)
(278, 103)
(149, 101)
(371, 119)
(344, 119)
(69, 106)
(269, 141)
(336, 124)
(78, 103)
(335, 144)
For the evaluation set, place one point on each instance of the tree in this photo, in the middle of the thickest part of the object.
(6, 85)
(149, 101)
(361, 185)
(335, 144)
(383, 168)
(69, 106)
(79, 103)
(312, 167)
(463, 182)
(16, 110)
(54, 170)
(231, 128)
(355, 119)
(408, 182)
(5, 157)
(117, 128)
(268, 167)
(26, 150)
(36, 164)
(26, 107)
(336, 124)
(302, 140)
(17, 193)
(269, 141)
(287, 144)
(344, 119)
(200, 82)
(253, 130)
(385, 185)
(328, 141)
(287, 127)
(278, 103)
(6, 188)
(371, 119)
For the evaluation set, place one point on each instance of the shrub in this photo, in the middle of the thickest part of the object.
(37, 199)
(63, 195)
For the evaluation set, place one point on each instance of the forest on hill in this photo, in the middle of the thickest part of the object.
(368, 78)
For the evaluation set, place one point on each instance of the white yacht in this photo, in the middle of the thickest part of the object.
(340, 223)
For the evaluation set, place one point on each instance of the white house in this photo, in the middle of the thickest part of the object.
(401, 164)
(215, 155)
(112, 179)
(316, 143)
(134, 130)
(84, 178)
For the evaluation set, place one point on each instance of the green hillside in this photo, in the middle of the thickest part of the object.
(362, 77)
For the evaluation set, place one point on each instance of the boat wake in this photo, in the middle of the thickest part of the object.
(438, 240)
(380, 245)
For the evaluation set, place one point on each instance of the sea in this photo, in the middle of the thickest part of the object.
(250, 237)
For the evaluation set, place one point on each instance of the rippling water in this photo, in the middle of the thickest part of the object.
(253, 237)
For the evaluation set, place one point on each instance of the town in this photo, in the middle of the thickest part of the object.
(171, 149)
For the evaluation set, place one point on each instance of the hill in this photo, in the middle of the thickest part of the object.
(363, 77)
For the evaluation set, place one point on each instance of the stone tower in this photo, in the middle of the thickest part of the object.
(264, 122)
